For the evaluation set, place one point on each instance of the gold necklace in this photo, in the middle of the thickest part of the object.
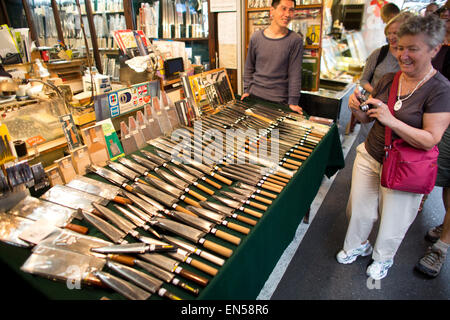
(399, 103)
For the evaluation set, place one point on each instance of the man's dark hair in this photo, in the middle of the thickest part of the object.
(390, 9)
(275, 3)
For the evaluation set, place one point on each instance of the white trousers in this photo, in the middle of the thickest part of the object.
(369, 200)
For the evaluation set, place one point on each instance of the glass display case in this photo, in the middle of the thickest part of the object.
(35, 123)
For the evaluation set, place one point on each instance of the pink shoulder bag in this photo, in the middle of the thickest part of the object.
(406, 168)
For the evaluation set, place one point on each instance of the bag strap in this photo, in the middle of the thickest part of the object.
(383, 53)
(391, 102)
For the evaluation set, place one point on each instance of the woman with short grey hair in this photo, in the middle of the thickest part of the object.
(433, 29)
(420, 116)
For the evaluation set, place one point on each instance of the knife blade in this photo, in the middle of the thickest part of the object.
(189, 178)
(202, 167)
(167, 275)
(174, 266)
(244, 200)
(150, 206)
(107, 229)
(133, 166)
(218, 219)
(121, 223)
(160, 196)
(227, 211)
(136, 248)
(139, 220)
(204, 225)
(92, 186)
(254, 189)
(237, 205)
(193, 235)
(189, 247)
(142, 279)
(249, 194)
(122, 170)
(121, 286)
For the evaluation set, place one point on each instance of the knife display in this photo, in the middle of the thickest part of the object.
(72, 198)
(164, 274)
(142, 280)
(114, 234)
(250, 194)
(188, 177)
(192, 234)
(244, 200)
(125, 288)
(219, 219)
(36, 209)
(58, 264)
(135, 216)
(92, 186)
(166, 148)
(159, 196)
(204, 226)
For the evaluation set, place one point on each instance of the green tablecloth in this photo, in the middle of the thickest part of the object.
(245, 272)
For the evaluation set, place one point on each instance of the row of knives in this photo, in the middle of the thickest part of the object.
(171, 226)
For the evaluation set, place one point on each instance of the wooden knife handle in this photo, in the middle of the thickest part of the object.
(222, 179)
(295, 163)
(191, 202)
(121, 258)
(246, 220)
(203, 267)
(281, 174)
(197, 195)
(296, 156)
(122, 200)
(303, 153)
(193, 277)
(205, 189)
(277, 177)
(290, 166)
(238, 228)
(142, 181)
(129, 188)
(76, 228)
(98, 213)
(152, 176)
(227, 237)
(304, 149)
(258, 206)
(214, 184)
(270, 184)
(181, 209)
(267, 194)
(263, 200)
(252, 212)
(92, 280)
(274, 181)
(217, 248)
(271, 188)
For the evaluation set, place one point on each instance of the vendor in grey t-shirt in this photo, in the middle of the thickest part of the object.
(274, 60)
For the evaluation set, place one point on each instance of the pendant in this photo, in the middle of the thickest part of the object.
(398, 105)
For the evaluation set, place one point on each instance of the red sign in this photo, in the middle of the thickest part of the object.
(35, 140)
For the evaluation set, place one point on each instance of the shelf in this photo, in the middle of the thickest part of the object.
(182, 39)
(306, 6)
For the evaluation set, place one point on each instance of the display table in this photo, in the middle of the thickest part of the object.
(243, 275)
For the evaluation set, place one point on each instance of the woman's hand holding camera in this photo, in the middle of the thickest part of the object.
(380, 112)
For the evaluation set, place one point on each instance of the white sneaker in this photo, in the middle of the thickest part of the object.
(350, 256)
(379, 269)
